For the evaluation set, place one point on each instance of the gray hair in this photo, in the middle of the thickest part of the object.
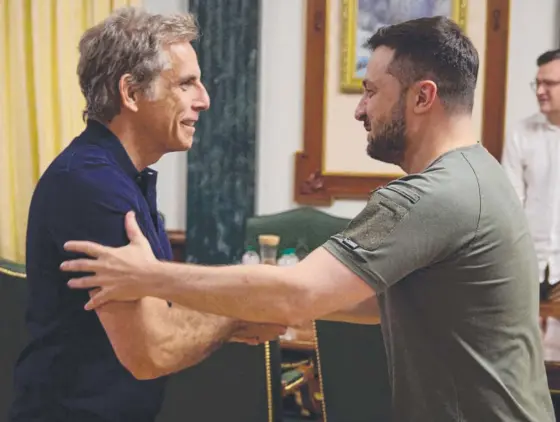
(132, 41)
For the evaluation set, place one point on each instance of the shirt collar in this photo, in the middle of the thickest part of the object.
(101, 135)
(541, 119)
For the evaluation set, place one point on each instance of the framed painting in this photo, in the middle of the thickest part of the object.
(362, 18)
(332, 163)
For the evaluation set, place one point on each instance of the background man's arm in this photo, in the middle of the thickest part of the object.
(512, 162)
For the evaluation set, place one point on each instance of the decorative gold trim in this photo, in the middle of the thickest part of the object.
(270, 403)
(319, 370)
(350, 84)
(12, 273)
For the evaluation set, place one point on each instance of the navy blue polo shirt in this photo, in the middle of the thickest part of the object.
(69, 372)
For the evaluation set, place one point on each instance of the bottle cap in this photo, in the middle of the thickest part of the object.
(269, 239)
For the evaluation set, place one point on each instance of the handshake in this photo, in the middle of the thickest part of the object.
(255, 334)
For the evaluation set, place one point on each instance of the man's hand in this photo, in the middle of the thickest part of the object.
(254, 334)
(120, 274)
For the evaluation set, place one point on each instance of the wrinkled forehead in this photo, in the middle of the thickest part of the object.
(182, 61)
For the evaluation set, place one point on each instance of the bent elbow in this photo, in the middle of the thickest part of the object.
(141, 369)
(141, 366)
(143, 374)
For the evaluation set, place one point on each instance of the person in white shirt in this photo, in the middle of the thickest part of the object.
(531, 159)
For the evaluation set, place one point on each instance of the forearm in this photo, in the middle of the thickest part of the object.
(261, 293)
(181, 337)
(151, 340)
(366, 312)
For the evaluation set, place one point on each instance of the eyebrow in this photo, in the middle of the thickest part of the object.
(183, 80)
(366, 83)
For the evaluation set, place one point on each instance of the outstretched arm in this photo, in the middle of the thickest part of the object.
(319, 285)
(512, 162)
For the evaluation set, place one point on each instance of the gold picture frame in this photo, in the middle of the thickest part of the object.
(351, 80)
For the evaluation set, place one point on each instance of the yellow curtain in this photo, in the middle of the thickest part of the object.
(40, 100)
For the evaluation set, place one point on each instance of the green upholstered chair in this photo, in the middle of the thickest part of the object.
(350, 359)
(303, 228)
(238, 383)
(354, 372)
(13, 334)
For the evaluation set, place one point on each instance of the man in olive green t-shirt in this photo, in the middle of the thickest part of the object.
(450, 258)
(441, 257)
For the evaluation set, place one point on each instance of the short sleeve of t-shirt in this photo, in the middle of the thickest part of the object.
(407, 225)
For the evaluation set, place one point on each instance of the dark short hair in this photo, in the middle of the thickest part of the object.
(548, 56)
(434, 48)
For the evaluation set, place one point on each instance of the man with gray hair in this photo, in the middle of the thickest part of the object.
(141, 80)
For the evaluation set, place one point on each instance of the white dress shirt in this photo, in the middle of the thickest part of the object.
(531, 160)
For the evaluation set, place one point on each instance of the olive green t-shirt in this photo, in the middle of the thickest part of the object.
(449, 255)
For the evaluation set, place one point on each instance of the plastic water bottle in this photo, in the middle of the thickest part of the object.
(288, 258)
(250, 257)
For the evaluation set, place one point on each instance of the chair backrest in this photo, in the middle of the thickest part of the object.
(351, 358)
(13, 333)
(302, 228)
(238, 383)
(353, 366)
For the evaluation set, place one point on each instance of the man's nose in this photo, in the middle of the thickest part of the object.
(203, 101)
(360, 112)
(540, 88)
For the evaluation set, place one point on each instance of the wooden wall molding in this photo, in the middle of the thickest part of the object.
(312, 187)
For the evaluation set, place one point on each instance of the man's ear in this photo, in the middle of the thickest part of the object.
(128, 92)
(426, 93)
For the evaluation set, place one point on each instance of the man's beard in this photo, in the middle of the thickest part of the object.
(389, 143)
